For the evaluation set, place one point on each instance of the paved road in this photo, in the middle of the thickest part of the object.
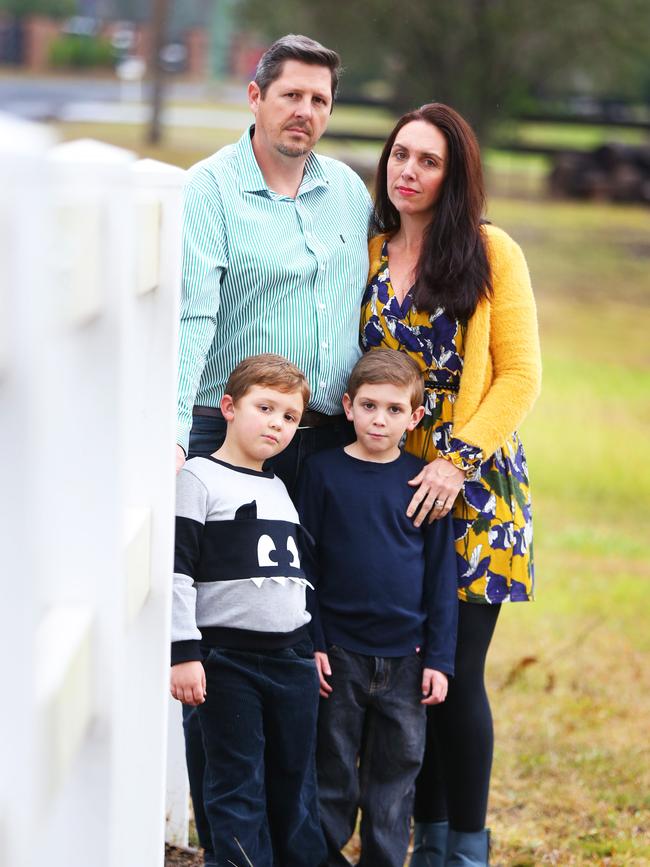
(124, 112)
(108, 100)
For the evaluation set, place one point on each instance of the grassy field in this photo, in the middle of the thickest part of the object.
(569, 674)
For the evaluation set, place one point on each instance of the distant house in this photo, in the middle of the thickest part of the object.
(27, 41)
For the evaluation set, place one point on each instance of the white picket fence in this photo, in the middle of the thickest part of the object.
(89, 287)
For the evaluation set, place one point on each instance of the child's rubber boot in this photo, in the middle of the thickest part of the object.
(429, 844)
(468, 848)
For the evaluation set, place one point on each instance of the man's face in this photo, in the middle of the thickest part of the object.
(293, 114)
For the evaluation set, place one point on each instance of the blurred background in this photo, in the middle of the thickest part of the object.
(559, 94)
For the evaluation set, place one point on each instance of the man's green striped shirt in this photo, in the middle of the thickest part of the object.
(267, 273)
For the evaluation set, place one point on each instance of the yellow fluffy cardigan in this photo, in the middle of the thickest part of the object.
(502, 369)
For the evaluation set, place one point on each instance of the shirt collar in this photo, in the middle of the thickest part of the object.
(252, 179)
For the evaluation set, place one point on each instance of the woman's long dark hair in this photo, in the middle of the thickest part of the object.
(453, 271)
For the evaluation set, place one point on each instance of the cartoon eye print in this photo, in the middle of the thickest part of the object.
(266, 547)
(270, 554)
(294, 559)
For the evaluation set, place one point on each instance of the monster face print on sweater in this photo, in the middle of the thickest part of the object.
(238, 578)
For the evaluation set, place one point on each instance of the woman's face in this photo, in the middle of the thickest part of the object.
(416, 168)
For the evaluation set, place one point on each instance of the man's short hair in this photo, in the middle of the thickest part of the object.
(270, 370)
(295, 47)
(388, 366)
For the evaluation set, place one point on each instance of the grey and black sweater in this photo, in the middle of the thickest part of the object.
(238, 581)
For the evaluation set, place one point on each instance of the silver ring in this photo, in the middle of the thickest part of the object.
(439, 502)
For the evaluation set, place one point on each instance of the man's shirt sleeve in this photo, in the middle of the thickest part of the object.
(441, 596)
(205, 260)
(368, 201)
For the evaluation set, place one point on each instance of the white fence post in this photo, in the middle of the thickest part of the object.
(23, 232)
(149, 448)
(93, 260)
(91, 272)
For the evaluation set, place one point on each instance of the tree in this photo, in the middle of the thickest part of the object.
(159, 29)
(17, 11)
(50, 8)
(485, 57)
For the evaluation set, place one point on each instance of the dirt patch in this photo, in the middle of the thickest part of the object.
(177, 857)
(638, 249)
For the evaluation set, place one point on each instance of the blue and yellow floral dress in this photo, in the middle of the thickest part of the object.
(492, 514)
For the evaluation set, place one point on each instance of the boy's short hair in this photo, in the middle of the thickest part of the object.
(381, 366)
(273, 371)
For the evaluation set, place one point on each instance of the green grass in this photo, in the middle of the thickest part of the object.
(572, 764)
(180, 146)
(581, 137)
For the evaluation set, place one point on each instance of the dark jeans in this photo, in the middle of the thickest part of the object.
(371, 733)
(206, 436)
(258, 724)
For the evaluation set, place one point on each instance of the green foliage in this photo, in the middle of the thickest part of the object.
(81, 51)
(488, 58)
(49, 8)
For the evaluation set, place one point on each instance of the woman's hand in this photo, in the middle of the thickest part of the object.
(437, 487)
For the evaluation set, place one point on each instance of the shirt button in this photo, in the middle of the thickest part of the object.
(324, 344)
(321, 385)
(321, 305)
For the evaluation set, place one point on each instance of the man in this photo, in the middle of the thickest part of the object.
(274, 260)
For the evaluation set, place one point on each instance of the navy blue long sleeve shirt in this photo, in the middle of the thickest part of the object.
(383, 586)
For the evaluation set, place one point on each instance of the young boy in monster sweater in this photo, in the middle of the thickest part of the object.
(240, 647)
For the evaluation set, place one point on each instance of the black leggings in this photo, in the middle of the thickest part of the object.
(455, 777)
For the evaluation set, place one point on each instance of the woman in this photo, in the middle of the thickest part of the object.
(454, 292)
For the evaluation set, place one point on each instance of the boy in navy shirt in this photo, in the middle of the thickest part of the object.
(383, 615)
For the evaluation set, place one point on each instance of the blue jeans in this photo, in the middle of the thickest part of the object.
(371, 733)
(259, 725)
(206, 436)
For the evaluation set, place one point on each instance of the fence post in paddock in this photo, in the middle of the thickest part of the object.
(87, 387)
(92, 273)
(149, 435)
(23, 271)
